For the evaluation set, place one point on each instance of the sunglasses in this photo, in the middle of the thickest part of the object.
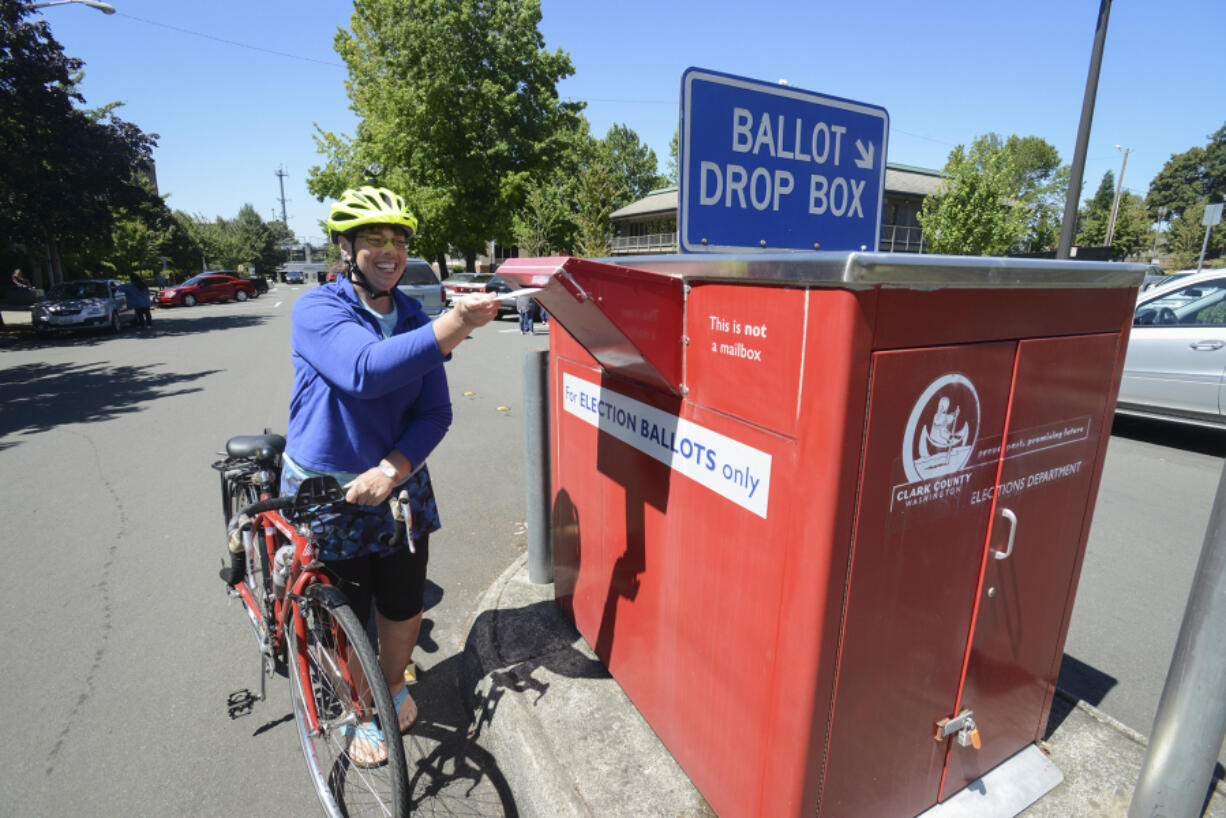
(377, 241)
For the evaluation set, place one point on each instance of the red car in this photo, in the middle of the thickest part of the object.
(206, 287)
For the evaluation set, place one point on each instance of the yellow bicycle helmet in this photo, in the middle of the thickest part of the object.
(358, 207)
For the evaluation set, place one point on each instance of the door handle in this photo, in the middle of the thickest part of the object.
(1012, 518)
(1207, 346)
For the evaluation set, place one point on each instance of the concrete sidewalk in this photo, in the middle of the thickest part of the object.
(571, 744)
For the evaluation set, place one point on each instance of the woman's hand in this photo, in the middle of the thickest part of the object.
(476, 309)
(469, 312)
(370, 488)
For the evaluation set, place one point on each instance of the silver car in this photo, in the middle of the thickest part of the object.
(419, 281)
(1176, 363)
(81, 305)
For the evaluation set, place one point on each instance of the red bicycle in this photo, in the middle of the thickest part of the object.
(305, 629)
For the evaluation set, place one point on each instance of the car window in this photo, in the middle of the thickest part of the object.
(1201, 304)
(418, 273)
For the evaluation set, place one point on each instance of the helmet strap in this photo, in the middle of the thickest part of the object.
(359, 280)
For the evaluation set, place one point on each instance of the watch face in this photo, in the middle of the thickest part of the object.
(389, 471)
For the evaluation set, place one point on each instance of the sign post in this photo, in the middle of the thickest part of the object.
(771, 167)
(1213, 215)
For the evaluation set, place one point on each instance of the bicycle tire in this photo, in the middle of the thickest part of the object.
(344, 787)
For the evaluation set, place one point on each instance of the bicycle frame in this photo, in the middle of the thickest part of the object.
(304, 571)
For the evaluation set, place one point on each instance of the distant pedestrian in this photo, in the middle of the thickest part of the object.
(137, 292)
(525, 306)
(159, 280)
(20, 282)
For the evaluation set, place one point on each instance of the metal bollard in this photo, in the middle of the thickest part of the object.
(1191, 719)
(536, 466)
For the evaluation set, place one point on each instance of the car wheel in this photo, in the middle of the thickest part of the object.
(189, 300)
(114, 323)
(241, 295)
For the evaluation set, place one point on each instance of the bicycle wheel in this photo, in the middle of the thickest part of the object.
(236, 494)
(343, 692)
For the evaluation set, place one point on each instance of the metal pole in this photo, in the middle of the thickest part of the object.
(1204, 245)
(1115, 203)
(536, 465)
(1069, 226)
(1191, 719)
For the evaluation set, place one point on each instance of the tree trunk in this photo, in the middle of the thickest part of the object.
(442, 265)
(470, 260)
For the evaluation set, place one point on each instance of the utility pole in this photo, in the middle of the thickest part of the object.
(1069, 226)
(1119, 190)
(281, 174)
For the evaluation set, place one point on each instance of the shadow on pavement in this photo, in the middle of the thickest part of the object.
(164, 324)
(541, 635)
(1200, 439)
(449, 773)
(1078, 681)
(40, 397)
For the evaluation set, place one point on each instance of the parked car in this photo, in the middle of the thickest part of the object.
(294, 277)
(496, 286)
(259, 282)
(206, 287)
(453, 283)
(419, 281)
(80, 305)
(1175, 368)
(1154, 277)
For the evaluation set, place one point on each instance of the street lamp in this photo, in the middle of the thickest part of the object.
(105, 8)
(1119, 189)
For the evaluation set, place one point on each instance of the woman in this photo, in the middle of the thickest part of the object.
(137, 292)
(369, 404)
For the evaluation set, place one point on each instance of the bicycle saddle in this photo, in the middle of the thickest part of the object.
(262, 448)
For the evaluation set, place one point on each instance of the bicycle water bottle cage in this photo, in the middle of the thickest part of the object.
(316, 491)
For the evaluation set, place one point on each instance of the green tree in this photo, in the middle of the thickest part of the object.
(597, 192)
(64, 172)
(1097, 212)
(1186, 236)
(633, 168)
(458, 102)
(1041, 183)
(674, 167)
(540, 227)
(979, 208)
(1188, 177)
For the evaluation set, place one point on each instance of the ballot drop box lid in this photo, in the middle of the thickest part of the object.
(822, 514)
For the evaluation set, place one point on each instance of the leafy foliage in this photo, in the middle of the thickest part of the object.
(1187, 178)
(225, 244)
(632, 165)
(458, 102)
(981, 207)
(1187, 236)
(65, 173)
(597, 192)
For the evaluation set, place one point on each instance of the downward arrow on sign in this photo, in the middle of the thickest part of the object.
(866, 156)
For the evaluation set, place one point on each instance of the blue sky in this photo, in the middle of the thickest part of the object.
(235, 88)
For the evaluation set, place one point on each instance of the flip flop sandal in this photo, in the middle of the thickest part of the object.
(369, 733)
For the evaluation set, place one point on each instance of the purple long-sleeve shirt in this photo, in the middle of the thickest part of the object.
(358, 395)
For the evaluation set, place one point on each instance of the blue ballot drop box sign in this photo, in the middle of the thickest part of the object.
(771, 167)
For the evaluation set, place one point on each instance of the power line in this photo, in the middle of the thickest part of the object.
(230, 42)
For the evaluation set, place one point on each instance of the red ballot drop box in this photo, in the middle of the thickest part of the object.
(822, 514)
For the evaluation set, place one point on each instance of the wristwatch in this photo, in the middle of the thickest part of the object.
(389, 470)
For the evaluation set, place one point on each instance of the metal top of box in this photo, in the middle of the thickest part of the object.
(861, 269)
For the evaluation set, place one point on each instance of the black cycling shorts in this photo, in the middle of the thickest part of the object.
(397, 581)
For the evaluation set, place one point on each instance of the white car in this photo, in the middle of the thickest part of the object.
(1176, 363)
